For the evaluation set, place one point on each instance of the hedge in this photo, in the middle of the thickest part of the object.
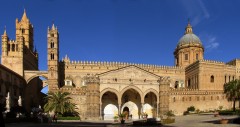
(69, 118)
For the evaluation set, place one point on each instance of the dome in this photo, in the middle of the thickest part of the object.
(189, 38)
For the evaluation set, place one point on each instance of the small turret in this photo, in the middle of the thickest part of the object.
(188, 29)
(5, 40)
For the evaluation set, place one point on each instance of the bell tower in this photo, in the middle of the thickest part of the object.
(18, 54)
(25, 28)
(53, 57)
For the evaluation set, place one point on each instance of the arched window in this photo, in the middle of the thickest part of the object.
(189, 83)
(183, 99)
(23, 31)
(52, 45)
(8, 47)
(212, 79)
(13, 47)
(176, 84)
(174, 99)
(186, 56)
(52, 56)
(197, 98)
(196, 56)
(204, 98)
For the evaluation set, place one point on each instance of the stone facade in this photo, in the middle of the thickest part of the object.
(104, 89)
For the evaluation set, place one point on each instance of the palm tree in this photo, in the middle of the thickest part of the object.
(232, 91)
(59, 103)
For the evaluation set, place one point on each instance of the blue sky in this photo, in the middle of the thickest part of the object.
(136, 31)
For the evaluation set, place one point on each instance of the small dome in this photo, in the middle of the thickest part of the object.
(189, 37)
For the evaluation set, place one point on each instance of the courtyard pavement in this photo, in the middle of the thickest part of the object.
(202, 120)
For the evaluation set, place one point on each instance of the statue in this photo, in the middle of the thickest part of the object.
(8, 102)
(20, 100)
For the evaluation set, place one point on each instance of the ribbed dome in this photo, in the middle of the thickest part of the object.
(189, 37)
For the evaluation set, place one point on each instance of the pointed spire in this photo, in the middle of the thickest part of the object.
(53, 27)
(188, 29)
(24, 17)
(5, 31)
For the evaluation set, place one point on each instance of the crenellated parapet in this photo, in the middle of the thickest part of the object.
(211, 61)
(194, 92)
(67, 61)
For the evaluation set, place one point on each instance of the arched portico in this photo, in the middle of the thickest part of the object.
(109, 90)
(151, 101)
(134, 88)
(108, 103)
(132, 97)
(153, 91)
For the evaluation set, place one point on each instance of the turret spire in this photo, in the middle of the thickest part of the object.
(5, 31)
(53, 27)
(188, 29)
(24, 17)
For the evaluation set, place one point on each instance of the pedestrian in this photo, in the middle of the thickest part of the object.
(55, 117)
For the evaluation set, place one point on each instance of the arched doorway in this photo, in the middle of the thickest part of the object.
(33, 95)
(131, 100)
(150, 105)
(109, 105)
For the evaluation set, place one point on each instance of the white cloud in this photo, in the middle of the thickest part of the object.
(196, 10)
(210, 42)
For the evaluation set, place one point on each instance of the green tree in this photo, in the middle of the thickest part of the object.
(232, 91)
(59, 103)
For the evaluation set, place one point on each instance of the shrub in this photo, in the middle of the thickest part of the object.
(115, 117)
(191, 108)
(197, 111)
(220, 108)
(68, 118)
(169, 113)
(185, 112)
(229, 112)
(168, 121)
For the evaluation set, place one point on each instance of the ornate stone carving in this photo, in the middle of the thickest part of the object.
(91, 79)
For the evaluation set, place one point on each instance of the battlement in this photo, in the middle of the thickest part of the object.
(12, 41)
(119, 64)
(186, 91)
(211, 61)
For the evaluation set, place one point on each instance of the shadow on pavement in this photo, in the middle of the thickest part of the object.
(230, 120)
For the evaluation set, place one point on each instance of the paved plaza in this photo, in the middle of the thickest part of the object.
(202, 120)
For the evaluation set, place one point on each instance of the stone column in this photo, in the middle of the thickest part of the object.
(93, 97)
(164, 95)
(100, 107)
(119, 109)
(157, 110)
(142, 104)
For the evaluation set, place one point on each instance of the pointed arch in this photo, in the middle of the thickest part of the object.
(109, 90)
(132, 87)
(153, 91)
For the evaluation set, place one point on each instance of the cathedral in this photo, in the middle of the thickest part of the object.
(102, 90)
